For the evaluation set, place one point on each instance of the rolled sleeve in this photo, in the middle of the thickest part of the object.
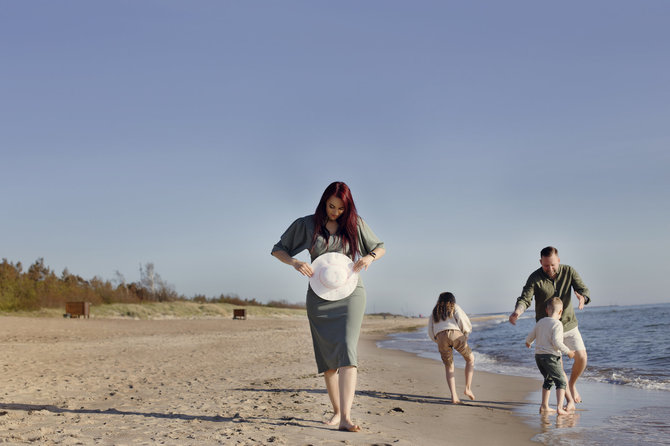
(296, 238)
(368, 240)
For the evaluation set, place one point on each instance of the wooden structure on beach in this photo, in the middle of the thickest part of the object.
(239, 313)
(77, 309)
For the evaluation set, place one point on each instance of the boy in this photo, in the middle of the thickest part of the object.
(548, 332)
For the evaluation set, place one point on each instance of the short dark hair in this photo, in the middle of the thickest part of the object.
(548, 251)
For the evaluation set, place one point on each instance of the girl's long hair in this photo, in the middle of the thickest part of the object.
(347, 223)
(444, 308)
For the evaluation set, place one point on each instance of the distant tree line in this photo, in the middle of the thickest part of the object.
(40, 287)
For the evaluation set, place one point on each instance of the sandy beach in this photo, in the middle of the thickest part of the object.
(238, 382)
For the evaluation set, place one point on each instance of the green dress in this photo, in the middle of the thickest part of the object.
(335, 325)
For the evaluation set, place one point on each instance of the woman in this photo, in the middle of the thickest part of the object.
(335, 325)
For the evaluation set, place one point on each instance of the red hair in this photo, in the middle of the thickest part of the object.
(347, 222)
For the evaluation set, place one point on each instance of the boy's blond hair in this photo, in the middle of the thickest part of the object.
(554, 304)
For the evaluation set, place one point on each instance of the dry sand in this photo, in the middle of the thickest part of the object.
(219, 381)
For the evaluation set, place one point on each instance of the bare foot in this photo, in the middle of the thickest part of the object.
(335, 419)
(570, 406)
(546, 410)
(469, 394)
(455, 401)
(349, 427)
(562, 411)
(575, 395)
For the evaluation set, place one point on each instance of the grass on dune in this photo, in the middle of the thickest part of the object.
(167, 310)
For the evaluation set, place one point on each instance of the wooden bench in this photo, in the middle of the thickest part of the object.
(77, 309)
(239, 313)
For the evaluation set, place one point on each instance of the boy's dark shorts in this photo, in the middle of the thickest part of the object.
(551, 368)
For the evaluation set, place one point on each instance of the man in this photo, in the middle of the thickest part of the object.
(556, 280)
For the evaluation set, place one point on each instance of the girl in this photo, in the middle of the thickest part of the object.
(450, 327)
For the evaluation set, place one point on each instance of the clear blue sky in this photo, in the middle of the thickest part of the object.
(190, 134)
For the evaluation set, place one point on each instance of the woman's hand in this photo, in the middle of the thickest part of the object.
(303, 268)
(363, 263)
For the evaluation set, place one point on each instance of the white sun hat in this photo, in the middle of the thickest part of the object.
(334, 277)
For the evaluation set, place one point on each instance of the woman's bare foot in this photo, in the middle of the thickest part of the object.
(335, 419)
(455, 401)
(349, 427)
(469, 394)
(547, 410)
(570, 406)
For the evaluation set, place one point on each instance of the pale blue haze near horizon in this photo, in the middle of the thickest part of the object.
(472, 134)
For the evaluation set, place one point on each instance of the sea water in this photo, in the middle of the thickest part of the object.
(626, 385)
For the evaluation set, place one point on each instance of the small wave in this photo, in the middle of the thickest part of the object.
(633, 381)
(659, 325)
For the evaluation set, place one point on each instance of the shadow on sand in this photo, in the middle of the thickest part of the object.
(283, 421)
(421, 399)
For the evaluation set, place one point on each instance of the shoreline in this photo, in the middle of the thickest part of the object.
(219, 381)
(633, 410)
(420, 390)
